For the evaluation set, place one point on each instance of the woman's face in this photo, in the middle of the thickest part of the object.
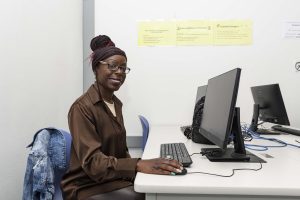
(110, 72)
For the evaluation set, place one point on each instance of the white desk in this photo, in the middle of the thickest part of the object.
(278, 179)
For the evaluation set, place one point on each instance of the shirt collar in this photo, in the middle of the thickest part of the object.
(93, 92)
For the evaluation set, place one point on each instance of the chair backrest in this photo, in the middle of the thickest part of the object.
(145, 125)
(55, 144)
(58, 174)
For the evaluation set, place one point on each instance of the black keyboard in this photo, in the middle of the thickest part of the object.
(262, 131)
(176, 151)
(286, 130)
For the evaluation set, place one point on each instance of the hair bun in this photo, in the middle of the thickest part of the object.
(101, 41)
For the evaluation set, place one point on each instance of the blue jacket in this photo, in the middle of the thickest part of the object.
(46, 157)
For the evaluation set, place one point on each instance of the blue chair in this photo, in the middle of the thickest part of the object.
(58, 174)
(57, 143)
(145, 125)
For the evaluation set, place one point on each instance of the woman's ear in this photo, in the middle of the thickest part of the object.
(95, 69)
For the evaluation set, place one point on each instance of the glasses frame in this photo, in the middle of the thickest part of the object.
(124, 70)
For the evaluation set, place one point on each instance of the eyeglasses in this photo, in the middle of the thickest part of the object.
(114, 67)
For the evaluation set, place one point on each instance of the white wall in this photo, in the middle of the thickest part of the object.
(40, 76)
(163, 82)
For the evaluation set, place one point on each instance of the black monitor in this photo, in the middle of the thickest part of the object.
(201, 91)
(192, 131)
(221, 119)
(196, 136)
(268, 106)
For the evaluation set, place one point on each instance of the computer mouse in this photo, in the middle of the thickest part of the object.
(183, 172)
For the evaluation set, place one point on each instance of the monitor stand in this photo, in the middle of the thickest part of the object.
(254, 123)
(236, 154)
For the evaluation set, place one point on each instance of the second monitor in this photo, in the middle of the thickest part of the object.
(268, 107)
(197, 137)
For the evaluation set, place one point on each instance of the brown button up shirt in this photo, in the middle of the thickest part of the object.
(99, 161)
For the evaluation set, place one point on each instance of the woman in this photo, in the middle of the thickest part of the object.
(100, 165)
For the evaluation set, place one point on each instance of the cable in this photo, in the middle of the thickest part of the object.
(258, 147)
(247, 137)
(227, 176)
(194, 154)
(255, 135)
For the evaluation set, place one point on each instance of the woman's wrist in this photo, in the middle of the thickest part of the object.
(138, 165)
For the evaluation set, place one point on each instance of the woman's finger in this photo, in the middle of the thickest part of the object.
(170, 168)
(173, 163)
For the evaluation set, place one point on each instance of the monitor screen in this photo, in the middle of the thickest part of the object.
(220, 99)
(192, 132)
(270, 104)
(201, 91)
(197, 137)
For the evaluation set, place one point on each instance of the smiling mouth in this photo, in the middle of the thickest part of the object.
(115, 80)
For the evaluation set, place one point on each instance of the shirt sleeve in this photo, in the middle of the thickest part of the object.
(87, 145)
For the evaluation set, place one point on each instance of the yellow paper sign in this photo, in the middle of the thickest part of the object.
(156, 33)
(194, 32)
(233, 32)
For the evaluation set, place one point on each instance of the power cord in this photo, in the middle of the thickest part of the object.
(227, 176)
(220, 175)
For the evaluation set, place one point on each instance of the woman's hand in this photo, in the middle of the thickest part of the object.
(159, 166)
